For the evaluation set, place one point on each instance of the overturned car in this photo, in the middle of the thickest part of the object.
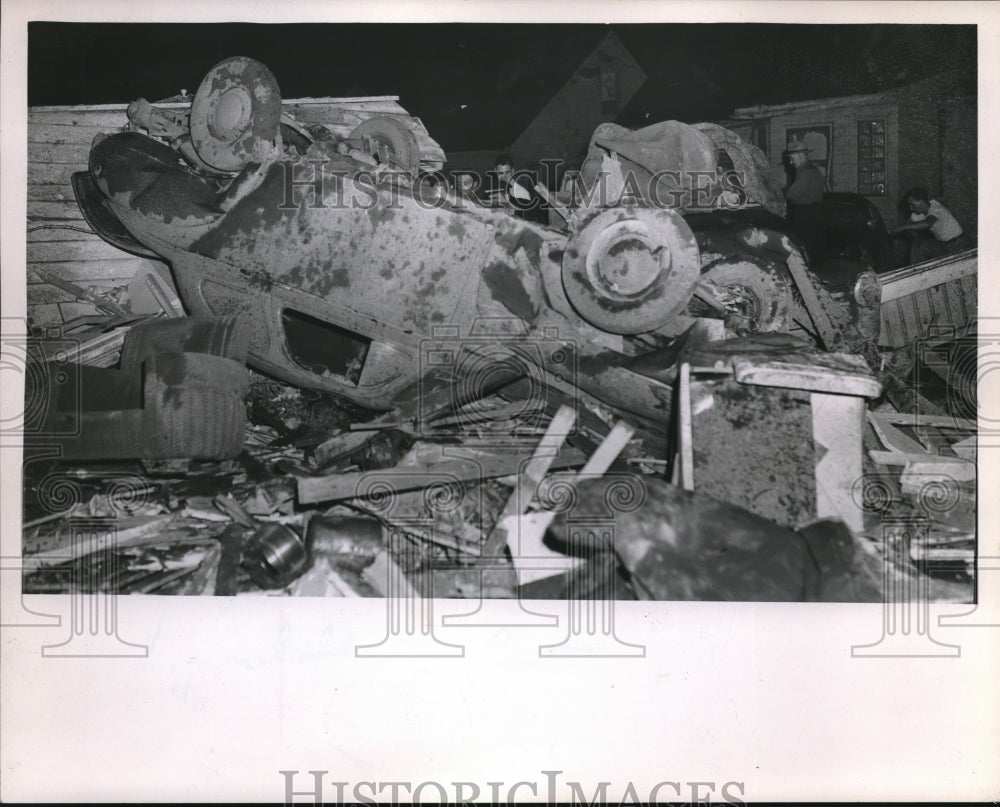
(359, 281)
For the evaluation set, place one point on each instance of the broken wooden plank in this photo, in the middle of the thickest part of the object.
(685, 466)
(346, 486)
(919, 473)
(852, 378)
(967, 448)
(943, 555)
(132, 531)
(343, 444)
(824, 327)
(957, 469)
(892, 438)
(529, 477)
(837, 422)
(552, 202)
(925, 276)
(939, 421)
(533, 560)
(203, 580)
(97, 350)
(415, 530)
(504, 412)
(83, 295)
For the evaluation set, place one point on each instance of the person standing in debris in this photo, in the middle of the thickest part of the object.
(805, 199)
(932, 230)
(515, 191)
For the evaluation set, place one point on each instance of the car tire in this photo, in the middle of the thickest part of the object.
(757, 294)
(630, 270)
(400, 141)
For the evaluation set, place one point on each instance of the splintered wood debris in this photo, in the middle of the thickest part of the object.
(466, 503)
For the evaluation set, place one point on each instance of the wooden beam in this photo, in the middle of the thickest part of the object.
(824, 327)
(337, 487)
(526, 532)
(892, 438)
(954, 468)
(925, 276)
(529, 477)
(813, 377)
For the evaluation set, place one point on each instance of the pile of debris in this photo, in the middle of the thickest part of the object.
(498, 496)
(642, 399)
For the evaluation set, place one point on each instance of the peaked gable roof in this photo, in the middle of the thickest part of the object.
(488, 92)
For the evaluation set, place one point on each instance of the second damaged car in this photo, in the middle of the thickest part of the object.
(357, 278)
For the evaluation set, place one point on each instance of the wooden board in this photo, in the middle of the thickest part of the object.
(74, 251)
(837, 425)
(41, 293)
(75, 153)
(45, 315)
(938, 421)
(940, 294)
(925, 276)
(892, 438)
(526, 531)
(50, 231)
(812, 376)
(346, 486)
(51, 173)
(957, 469)
(123, 265)
(62, 211)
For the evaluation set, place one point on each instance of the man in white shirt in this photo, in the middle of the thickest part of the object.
(934, 230)
(514, 190)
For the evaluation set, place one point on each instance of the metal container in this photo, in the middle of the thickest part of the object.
(274, 556)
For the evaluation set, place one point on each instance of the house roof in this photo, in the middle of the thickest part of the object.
(795, 106)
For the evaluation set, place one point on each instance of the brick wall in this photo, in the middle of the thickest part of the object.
(937, 148)
(844, 148)
(931, 142)
(959, 161)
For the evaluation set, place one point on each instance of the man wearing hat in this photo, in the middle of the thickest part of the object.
(805, 197)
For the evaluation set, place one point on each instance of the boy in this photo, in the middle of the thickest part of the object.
(933, 230)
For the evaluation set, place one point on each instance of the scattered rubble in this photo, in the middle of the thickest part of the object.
(320, 503)
(711, 425)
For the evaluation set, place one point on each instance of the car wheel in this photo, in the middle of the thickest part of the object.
(756, 297)
(399, 141)
(235, 114)
(630, 270)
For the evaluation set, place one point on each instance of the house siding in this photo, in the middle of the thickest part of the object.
(930, 141)
(60, 243)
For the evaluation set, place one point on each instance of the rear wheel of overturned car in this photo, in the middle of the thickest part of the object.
(630, 270)
(399, 143)
(756, 296)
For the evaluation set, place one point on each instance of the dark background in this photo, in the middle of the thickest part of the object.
(445, 71)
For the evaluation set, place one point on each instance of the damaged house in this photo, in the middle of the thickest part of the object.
(321, 377)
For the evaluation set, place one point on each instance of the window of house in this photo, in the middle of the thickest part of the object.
(871, 157)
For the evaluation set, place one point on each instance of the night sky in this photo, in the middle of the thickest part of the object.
(444, 73)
